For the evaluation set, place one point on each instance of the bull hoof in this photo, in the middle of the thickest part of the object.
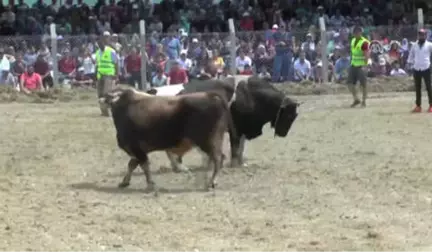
(123, 184)
(181, 168)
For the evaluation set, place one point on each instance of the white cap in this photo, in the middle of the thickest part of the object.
(275, 26)
(194, 40)
(106, 33)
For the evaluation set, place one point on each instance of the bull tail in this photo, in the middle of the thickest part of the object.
(220, 98)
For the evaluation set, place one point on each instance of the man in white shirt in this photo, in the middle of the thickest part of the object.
(242, 60)
(302, 68)
(419, 60)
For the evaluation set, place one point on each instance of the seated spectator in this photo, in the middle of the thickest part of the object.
(88, 62)
(68, 65)
(18, 67)
(218, 61)
(159, 79)
(342, 66)
(177, 75)
(397, 71)
(302, 68)
(42, 68)
(241, 61)
(81, 79)
(132, 67)
(30, 81)
(30, 56)
(309, 44)
(185, 63)
(264, 73)
(7, 79)
(247, 70)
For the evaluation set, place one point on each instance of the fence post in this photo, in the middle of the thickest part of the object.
(54, 53)
(420, 19)
(233, 52)
(324, 58)
(144, 83)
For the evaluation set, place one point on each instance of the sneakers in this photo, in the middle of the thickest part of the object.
(417, 109)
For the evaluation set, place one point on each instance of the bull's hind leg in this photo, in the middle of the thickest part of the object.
(176, 162)
(132, 165)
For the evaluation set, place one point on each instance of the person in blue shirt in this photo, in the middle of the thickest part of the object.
(342, 66)
(282, 62)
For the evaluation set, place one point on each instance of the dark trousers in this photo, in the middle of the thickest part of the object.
(135, 77)
(48, 81)
(426, 76)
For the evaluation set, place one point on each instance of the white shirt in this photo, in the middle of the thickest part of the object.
(420, 57)
(88, 65)
(398, 72)
(241, 63)
(303, 68)
(4, 64)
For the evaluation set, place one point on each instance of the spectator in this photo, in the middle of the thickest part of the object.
(185, 63)
(42, 68)
(342, 66)
(88, 63)
(302, 68)
(30, 81)
(19, 66)
(159, 79)
(247, 70)
(7, 79)
(68, 65)
(396, 70)
(242, 60)
(283, 58)
(177, 75)
(133, 68)
(81, 79)
(218, 61)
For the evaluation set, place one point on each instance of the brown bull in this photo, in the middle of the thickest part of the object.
(147, 123)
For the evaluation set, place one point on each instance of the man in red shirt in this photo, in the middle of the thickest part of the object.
(177, 74)
(132, 65)
(30, 81)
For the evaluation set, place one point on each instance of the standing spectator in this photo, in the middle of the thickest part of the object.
(41, 67)
(419, 59)
(30, 81)
(283, 58)
(133, 68)
(359, 60)
(302, 68)
(177, 75)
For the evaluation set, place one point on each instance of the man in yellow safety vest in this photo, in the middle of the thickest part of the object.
(359, 62)
(106, 69)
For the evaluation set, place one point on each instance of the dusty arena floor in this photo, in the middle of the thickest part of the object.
(344, 179)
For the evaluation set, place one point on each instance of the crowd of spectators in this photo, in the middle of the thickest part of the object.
(186, 38)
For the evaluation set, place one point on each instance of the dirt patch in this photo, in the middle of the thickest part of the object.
(343, 179)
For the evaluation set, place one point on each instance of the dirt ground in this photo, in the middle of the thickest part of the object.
(343, 179)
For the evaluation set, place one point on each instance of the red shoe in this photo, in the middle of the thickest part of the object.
(417, 109)
(430, 109)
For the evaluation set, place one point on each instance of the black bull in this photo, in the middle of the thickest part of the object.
(253, 103)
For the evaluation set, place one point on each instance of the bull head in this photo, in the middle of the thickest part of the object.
(111, 98)
(285, 117)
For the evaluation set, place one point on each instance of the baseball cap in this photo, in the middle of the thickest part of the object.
(275, 26)
(422, 31)
(106, 33)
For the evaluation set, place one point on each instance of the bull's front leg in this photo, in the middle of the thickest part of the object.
(176, 163)
(237, 151)
(132, 165)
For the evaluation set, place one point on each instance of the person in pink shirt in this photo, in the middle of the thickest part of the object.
(30, 81)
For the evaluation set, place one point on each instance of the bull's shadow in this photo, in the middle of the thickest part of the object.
(161, 170)
(114, 189)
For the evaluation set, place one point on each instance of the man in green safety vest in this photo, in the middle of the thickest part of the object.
(106, 69)
(359, 61)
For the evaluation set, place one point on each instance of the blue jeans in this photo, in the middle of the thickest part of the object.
(281, 67)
